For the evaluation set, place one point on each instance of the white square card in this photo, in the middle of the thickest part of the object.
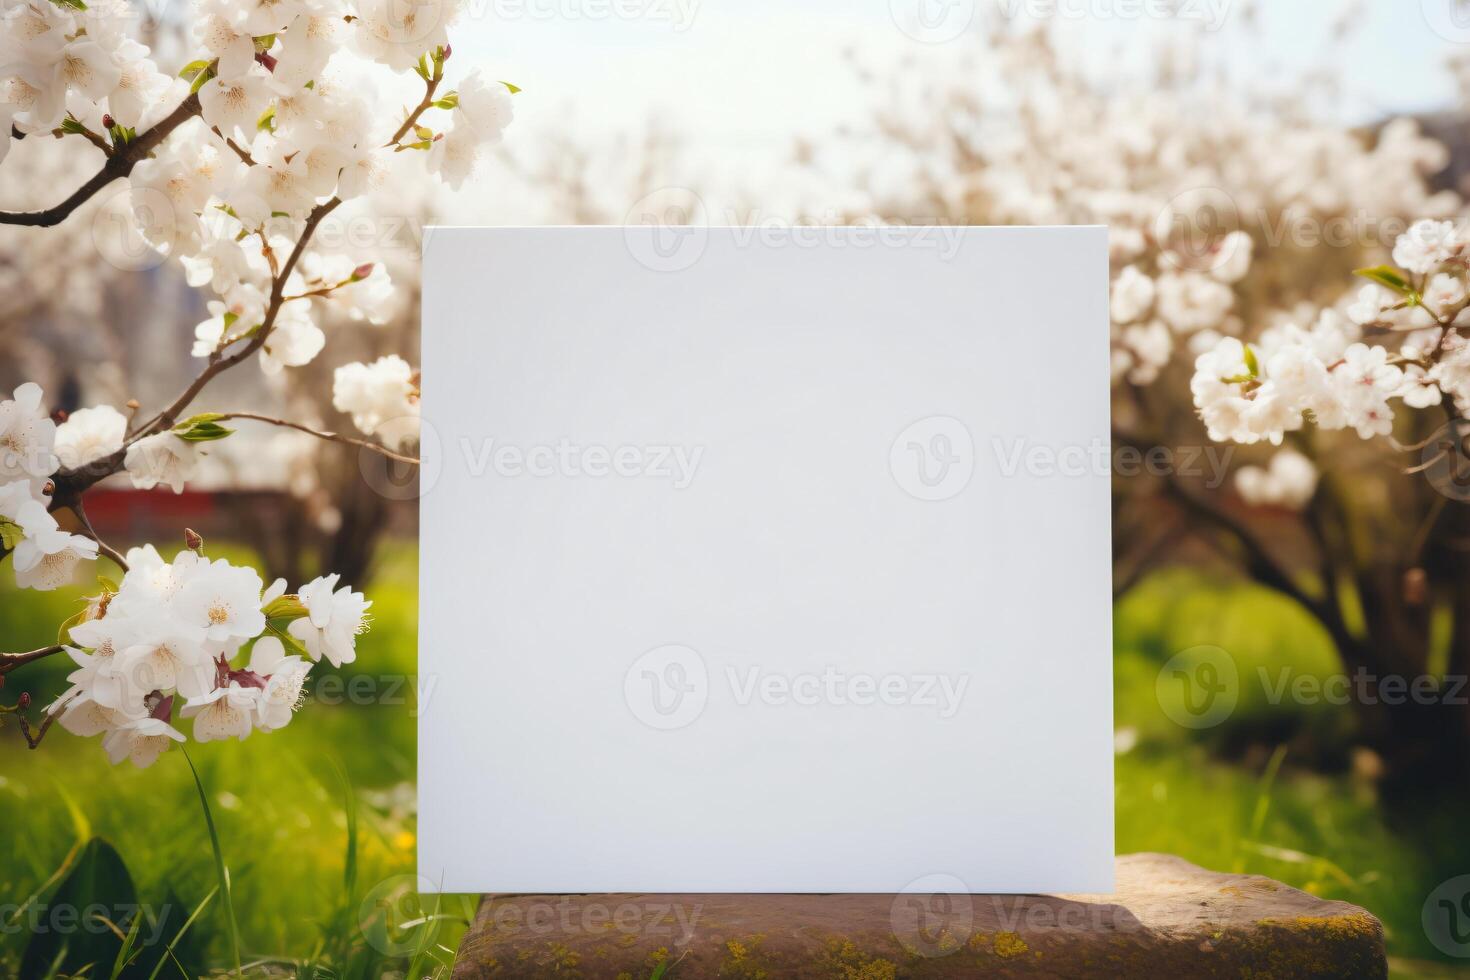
(764, 562)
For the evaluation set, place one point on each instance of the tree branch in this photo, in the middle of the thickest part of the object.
(71, 484)
(13, 661)
(320, 434)
(120, 164)
(33, 739)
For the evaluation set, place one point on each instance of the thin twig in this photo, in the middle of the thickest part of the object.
(120, 164)
(14, 661)
(320, 434)
(239, 152)
(34, 739)
(102, 546)
(70, 484)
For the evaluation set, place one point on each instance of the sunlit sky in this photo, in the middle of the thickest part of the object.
(738, 79)
(755, 68)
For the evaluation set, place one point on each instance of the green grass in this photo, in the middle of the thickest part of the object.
(277, 800)
(302, 895)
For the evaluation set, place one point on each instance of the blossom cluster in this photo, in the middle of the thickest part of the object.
(1334, 373)
(44, 556)
(286, 120)
(231, 164)
(167, 642)
(171, 630)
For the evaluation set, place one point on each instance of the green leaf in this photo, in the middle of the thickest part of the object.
(71, 124)
(10, 534)
(267, 120)
(449, 101)
(1391, 278)
(200, 79)
(63, 635)
(107, 584)
(201, 431)
(193, 68)
(263, 42)
(287, 607)
(98, 879)
(514, 88)
(292, 645)
(1251, 363)
(74, 4)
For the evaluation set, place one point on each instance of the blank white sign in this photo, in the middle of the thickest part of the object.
(765, 561)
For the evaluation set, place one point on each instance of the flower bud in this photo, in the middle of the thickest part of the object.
(1416, 586)
(363, 271)
(107, 121)
(193, 541)
(24, 701)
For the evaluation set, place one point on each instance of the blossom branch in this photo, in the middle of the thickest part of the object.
(13, 661)
(321, 434)
(120, 164)
(428, 100)
(72, 483)
(33, 736)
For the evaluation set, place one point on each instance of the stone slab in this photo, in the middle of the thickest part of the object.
(1168, 918)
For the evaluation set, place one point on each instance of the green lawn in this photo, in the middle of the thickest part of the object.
(284, 829)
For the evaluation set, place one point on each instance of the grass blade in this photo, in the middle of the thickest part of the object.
(168, 953)
(219, 865)
(124, 955)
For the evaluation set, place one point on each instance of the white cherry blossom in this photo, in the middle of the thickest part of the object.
(161, 458)
(332, 621)
(89, 434)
